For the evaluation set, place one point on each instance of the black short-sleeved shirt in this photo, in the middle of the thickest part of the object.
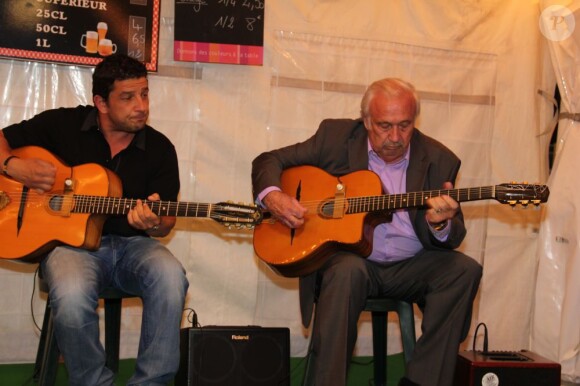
(148, 165)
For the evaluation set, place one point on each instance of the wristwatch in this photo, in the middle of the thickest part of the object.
(5, 165)
(439, 226)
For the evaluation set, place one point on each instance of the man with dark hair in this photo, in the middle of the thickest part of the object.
(114, 134)
(115, 67)
(412, 257)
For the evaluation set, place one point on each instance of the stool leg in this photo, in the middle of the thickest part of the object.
(379, 323)
(307, 376)
(41, 343)
(112, 332)
(50, 353)
(407, 325)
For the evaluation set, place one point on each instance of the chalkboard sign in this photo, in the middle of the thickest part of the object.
(219, 31)
(79, 31)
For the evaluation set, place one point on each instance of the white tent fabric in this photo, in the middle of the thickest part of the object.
(477, 65)
(314, 74)
(558, 287)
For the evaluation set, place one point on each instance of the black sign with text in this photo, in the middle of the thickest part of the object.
(79, 31)
(219, 31)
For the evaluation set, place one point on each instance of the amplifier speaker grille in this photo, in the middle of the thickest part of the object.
(234, 356)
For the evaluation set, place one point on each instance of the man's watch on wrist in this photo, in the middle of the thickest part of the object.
(439, 226)
(5, 165)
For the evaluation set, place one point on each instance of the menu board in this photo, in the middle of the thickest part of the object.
(79, 31)
(219, 31)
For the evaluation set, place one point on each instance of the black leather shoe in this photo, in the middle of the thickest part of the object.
(407, 382)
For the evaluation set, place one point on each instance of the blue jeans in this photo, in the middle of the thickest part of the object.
(137, 265)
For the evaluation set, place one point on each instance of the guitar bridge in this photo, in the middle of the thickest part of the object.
(334, 207)
(63, 204)
(339, 201)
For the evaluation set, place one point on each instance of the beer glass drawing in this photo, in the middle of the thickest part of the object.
(102, 30)
(106, 47)
(90, 41)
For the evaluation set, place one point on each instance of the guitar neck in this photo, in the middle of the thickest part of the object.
(416, 199)
(122, 206)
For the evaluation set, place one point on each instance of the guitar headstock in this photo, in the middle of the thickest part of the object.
(521, 193)
(238, 215)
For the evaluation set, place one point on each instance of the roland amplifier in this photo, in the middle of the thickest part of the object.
(234, 356)
(505, 368)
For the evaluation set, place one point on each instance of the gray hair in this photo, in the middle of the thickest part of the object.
(390, 87)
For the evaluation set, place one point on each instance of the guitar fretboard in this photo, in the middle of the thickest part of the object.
(416, 199)
(121, 206)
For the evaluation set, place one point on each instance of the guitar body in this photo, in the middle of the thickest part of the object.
(301, 251)
(45, 223)
(343, 212)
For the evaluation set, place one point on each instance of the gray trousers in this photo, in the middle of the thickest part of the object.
(442, 283)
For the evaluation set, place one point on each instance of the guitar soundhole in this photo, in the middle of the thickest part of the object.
(55, 203)
(326, 209)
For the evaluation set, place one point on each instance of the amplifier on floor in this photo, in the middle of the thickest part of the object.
(234, 356)
(505, 368)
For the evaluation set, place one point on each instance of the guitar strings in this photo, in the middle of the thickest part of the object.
(398, 201)
(120, 202)
(313, 204)
(362, 203)
(228, 213)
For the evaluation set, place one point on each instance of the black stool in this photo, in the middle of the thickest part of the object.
(46, 364)
(379, 308)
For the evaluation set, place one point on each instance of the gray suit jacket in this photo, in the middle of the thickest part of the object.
(340, 146)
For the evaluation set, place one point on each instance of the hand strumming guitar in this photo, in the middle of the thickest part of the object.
(33, 173)
(285, 208)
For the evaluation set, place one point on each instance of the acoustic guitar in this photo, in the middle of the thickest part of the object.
(343, 212)
(73, 213)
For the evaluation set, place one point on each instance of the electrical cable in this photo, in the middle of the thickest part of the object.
(485, 347)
